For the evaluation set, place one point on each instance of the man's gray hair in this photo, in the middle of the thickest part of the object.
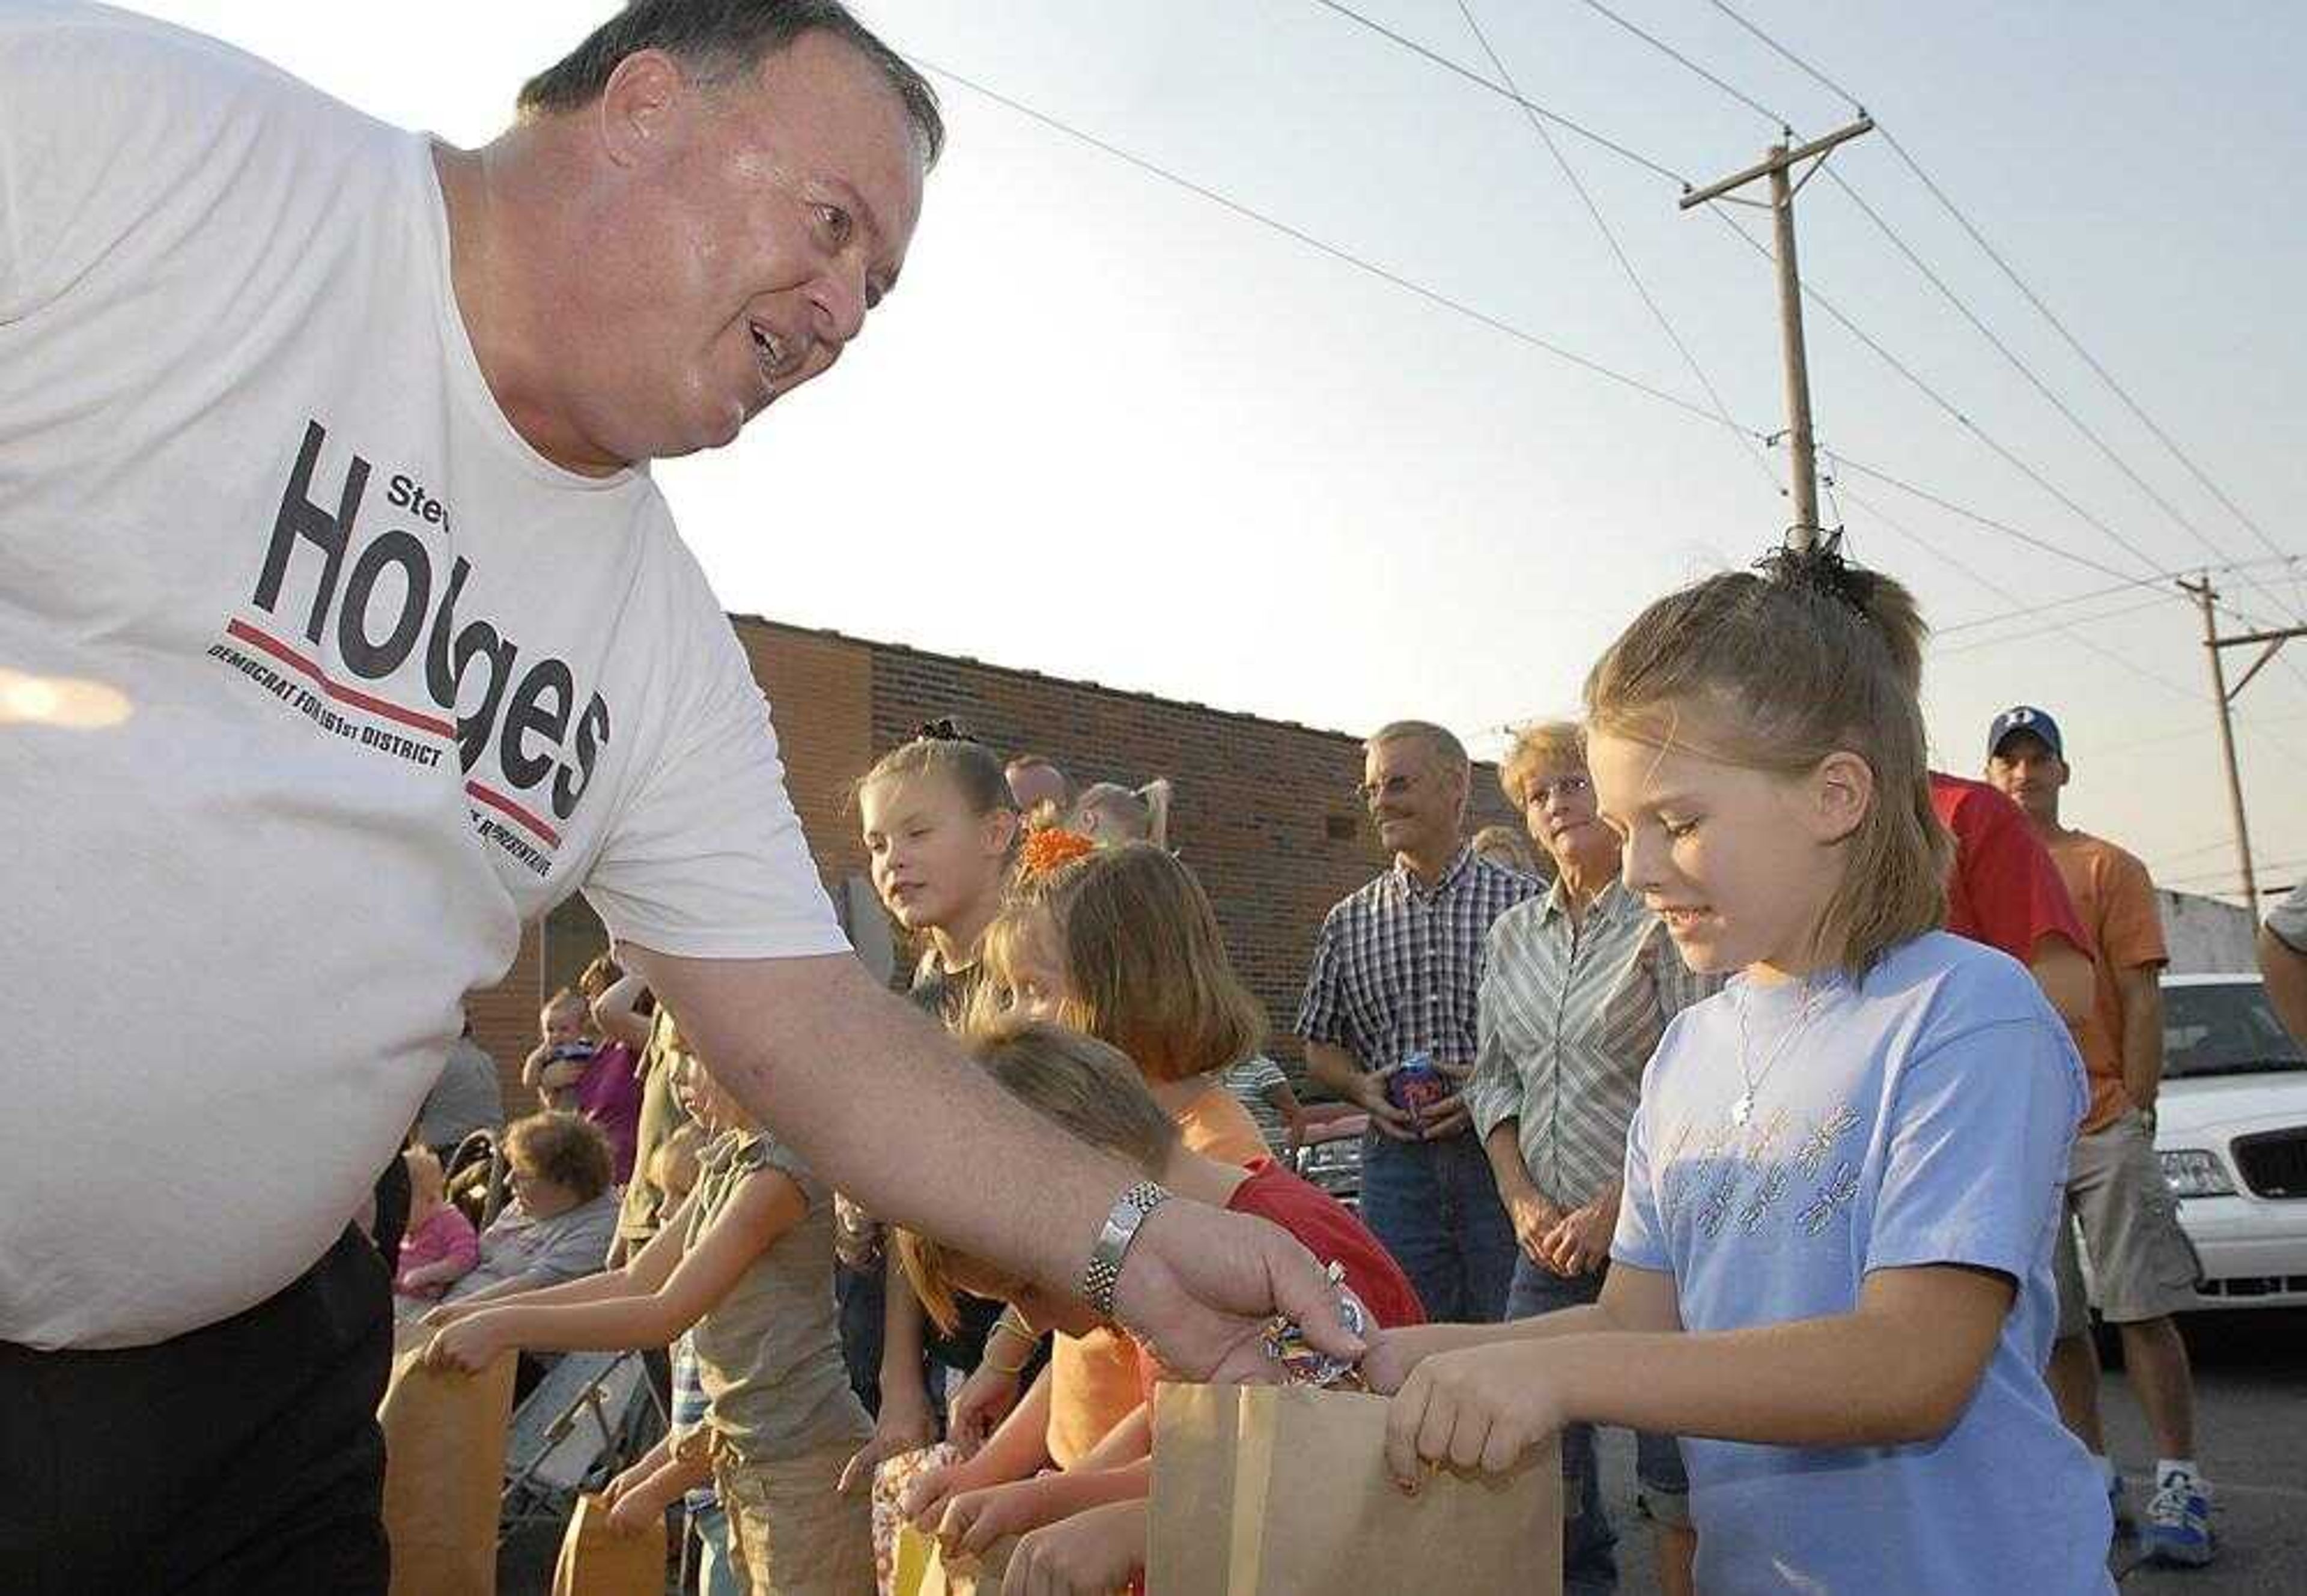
(716, 41)
(1440, 740)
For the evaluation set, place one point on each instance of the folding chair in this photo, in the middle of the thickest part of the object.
(593, 1414)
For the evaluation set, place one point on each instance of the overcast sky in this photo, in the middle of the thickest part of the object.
(1111, 429)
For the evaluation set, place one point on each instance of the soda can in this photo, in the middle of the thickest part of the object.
(1417, 1085)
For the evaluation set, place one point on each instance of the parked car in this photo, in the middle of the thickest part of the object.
(2230, 1130)
(1330, 1156)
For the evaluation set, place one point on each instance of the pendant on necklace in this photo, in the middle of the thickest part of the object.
(1742, 1110)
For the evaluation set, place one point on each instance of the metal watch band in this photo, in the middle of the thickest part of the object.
(1103, 1274)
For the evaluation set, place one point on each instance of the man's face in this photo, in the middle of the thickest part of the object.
(2024, 767)
(1414, 800)
(748, 228)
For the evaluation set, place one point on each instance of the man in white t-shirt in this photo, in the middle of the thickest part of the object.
(344, 632)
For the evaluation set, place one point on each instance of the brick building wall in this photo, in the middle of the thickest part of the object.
(1265, 810)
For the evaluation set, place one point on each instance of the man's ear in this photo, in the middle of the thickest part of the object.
(1840, 792)
(642, 107)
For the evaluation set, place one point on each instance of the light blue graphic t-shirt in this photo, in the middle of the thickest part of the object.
(1921, 1116)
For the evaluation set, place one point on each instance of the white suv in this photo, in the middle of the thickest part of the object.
(2230, 1130)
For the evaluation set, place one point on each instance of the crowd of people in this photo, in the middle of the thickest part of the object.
(1588, 1167)
(1755, 1130)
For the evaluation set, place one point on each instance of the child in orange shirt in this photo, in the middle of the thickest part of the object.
(1120, 944)
(1085, 1529)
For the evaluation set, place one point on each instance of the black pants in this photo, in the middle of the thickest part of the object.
(241, 1459)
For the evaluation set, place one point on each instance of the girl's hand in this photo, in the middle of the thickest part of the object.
(633, 1511)
(978, 1408)
(447, 1314)
(1394, 1354)
(470, 1346)
(1477, 1408)
(976, 1518)
(626, 1481)
(906, 1426)
(1093, 1553)
(924, 1500)
(899, 1430)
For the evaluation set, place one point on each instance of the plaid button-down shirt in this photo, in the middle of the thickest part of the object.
(1570, 1015)
(1399, 964)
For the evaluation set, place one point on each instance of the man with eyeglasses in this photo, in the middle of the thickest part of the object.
(1396, 975)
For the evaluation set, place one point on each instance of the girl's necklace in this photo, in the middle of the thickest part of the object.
(1742, 1110)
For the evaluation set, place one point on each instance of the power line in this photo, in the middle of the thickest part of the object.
(1533, 106)
(1844, 463)
(1979, 644)
(1659, 44)
(2114, 456)
(2096, 593)
(1484, 317)
(2138, 411)
(1816, 76)
(1626, 263)
(1945, 403)
(2123, 660)
(1345, 256)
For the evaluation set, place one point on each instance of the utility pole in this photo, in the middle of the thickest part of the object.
(2224, 698)
(1775, 164)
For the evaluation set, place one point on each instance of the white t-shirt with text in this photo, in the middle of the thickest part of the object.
(394, 683)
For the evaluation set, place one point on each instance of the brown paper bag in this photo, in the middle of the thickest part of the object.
(598, 1560)
(444, 1444)
(1266, 1491)
(921, 1569)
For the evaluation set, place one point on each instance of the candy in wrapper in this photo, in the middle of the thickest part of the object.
(1304, 1364)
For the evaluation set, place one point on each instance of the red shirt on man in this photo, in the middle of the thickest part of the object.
(2005, 890)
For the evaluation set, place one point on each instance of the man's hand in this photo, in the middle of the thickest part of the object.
(1440, 1119)
(976, 1518)
(904, 1425)
(1198, 1285)
(1534, 1219)
(470, 1346)
(1447, 1116)
(1479, 1408)
(978, 1407)
(1093, 1553)
(1579, 1242)
(1369, 1096)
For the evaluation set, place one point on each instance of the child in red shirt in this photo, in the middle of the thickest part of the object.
(1085, 1529)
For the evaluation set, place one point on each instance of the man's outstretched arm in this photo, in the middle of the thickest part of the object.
(883, 1106)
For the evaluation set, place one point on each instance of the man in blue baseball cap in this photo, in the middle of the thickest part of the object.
(2145, 1266)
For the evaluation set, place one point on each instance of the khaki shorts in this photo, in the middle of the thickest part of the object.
(2142, 1262)
(791, 1533)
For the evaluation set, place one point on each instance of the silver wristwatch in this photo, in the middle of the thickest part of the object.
(1104, 1271)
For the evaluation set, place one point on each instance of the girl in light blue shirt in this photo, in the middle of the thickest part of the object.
(1832, 1260)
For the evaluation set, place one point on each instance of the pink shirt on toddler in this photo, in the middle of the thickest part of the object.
(446, 1233)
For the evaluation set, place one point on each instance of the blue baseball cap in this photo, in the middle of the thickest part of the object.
(2025, 718)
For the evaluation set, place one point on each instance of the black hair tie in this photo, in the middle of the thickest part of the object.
(1821, 569)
